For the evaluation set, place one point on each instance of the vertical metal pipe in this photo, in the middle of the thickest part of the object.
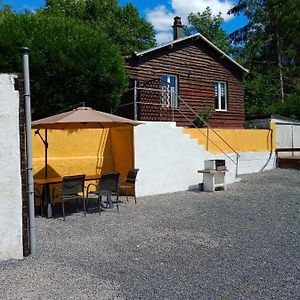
(207, 138)
(46, 153)
(135, 101)
(32, 238)
(293, 140)
(237, 167)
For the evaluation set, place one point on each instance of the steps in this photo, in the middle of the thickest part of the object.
(169, 159)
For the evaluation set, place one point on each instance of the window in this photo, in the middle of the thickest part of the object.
(220, 95)
(169, 90)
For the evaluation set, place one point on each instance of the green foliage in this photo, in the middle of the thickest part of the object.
(271, 51)
(4, 7)
(123, 25)
(260, 88)
(202, 117)
(70, 61)
(209, 26)
(290, 107)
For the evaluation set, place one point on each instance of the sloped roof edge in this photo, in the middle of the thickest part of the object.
(191, 37)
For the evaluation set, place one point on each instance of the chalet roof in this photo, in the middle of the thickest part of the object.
(197, 35)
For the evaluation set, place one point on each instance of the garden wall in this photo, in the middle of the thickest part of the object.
(11, 245)
(169, 157)
(84, 151)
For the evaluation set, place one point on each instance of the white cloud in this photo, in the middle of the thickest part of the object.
(163, 37)
(162, 19)
(184, 8)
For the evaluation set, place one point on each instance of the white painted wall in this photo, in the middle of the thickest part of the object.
(249, 162)
(10, 175)
(169, 160)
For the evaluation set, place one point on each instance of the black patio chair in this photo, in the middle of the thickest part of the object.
(72, 189)
(129, 183)
(108, 186)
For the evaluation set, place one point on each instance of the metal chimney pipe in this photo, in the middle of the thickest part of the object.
(32, 237)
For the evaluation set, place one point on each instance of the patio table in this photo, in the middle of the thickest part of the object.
(45, 182)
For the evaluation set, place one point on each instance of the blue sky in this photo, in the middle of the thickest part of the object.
(161, 12)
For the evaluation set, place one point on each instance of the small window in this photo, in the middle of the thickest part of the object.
(220, 95)
(169, 90)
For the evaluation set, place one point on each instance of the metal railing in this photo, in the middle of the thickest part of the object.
(207, 135)
(173, 109)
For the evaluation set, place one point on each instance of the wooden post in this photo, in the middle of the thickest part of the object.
(135, 117)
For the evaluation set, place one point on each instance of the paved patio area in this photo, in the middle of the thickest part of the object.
(242, 243)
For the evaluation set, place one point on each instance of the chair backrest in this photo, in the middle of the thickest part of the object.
(73, 184)
(109, 182)
(131, 176)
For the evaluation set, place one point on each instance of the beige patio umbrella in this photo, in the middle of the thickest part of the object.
(79, 118)
(82, 117)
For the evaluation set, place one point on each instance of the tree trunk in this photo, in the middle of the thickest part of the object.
(278, 49)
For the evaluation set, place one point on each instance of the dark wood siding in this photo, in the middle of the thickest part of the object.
(197, 66)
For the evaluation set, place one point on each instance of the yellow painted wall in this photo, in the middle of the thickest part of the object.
(122, 149)
(242, 140)
(84, 151)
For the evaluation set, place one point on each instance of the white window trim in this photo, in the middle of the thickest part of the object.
(171, 104)
(219, 95)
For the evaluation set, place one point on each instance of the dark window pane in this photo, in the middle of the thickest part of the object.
(223, 102)
(223, 95)
(173, 81)
(216, 96)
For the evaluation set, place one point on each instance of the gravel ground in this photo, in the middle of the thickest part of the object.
(242, 243)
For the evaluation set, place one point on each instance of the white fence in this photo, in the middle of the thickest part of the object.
(287, 135)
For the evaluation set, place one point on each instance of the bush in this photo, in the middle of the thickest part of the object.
(290, 107)
(202, 117)
(70, 62)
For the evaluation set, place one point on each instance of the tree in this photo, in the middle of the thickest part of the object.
(70, 62)
(4, 7)
(123, 25)
(209, 26)
(271, 47)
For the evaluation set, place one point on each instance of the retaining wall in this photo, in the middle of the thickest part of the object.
(169, 157)
(168, 160)
(241, 140)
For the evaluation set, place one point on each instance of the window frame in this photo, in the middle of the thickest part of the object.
(219, 82)
(173, 104)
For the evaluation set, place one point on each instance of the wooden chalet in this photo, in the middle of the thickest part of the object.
(176, 80)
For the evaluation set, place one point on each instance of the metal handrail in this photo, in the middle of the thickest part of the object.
(214, 131)
(195, 113)
(207, 125)
(205, 135)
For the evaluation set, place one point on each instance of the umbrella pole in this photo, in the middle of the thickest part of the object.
(45, 142)
(46, 153)
(46, 191)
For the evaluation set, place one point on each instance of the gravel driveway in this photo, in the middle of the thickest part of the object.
(242, 243)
